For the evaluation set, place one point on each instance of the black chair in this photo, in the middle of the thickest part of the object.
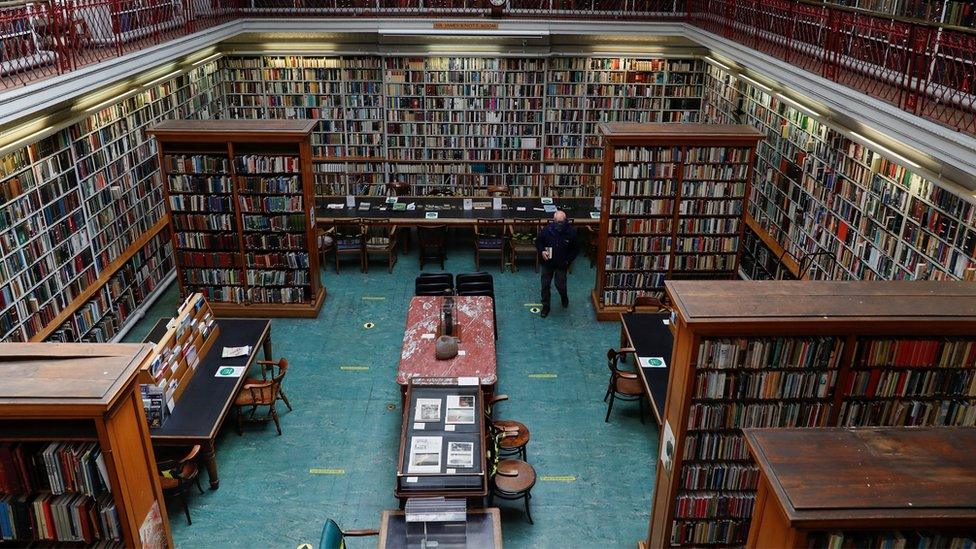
(462, 278)
(432, 242)
(432, 288)
(427, 278)
(350, 239)
(489, 238)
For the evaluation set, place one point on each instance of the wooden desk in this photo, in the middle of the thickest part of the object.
(450, 210)
(475, 318)
(207, 399)
(449, 480)
(650, 336)
(859, 480)
(483, 529)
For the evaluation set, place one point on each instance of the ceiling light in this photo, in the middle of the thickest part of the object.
(101, 105)
(714, 62)
(161, 78)
(26, 137)
(797, 105)
(886, 150)
(205, 59)
(763, 86)
(465, 32)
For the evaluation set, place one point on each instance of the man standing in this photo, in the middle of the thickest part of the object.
(558, 246)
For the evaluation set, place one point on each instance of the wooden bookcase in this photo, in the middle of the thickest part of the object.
(872, 487)
(798, 354)
(174, 359)
(240, 201)
(60, 397)
(672, 204)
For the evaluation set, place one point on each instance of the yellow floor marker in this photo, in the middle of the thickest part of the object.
(320, 471)
(374, 297)
(557, 478)
(543, 376)
(352, 368)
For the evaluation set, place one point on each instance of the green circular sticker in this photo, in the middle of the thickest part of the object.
(226, 371)
(655, 362)
(368, 325)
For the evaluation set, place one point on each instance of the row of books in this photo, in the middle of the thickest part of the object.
(779, 384)
(892, 539)
(765, 353)
(736, 415)
(46, 518)
(909, 412)
(57, 467)
(722, 476)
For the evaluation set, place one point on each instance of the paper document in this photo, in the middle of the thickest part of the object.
(425, 455)
(231, 352)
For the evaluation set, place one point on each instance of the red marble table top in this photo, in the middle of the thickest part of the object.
(477, 340)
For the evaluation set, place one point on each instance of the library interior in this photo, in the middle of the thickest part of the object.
(279, 273)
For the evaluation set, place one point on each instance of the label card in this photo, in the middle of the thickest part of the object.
(596, 202)
(230, 371)
(546, 200)
(468, 380)
(430, 215)
(468, 203)
(350, 201)
(419, 426)
(496, 203)
(652, 362)
(594, 215)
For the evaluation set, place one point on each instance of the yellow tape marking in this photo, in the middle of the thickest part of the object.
(564, 478)
(374, 297)
(319, 471)
(532, 304)
(354, 368)
(543, 376)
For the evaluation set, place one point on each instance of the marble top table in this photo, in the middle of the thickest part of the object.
(476, 356)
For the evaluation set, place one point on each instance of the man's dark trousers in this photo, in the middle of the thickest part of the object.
(548, 273)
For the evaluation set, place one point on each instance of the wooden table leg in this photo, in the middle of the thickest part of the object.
(267, 348)
(210, 456)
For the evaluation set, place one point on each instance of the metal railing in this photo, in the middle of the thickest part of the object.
(925, 68)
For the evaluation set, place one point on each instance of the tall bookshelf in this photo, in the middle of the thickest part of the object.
(79, 201)
(462, 124)
(672, 204)
(798, 354)
(857, 212)
(76, 463)
(240, 206)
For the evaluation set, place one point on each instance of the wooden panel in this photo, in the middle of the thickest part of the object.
(769, 528)
(691, 132)
(241, 128)
(66, 373)
(868, 473)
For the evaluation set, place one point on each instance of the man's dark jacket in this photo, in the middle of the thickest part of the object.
(561, 237)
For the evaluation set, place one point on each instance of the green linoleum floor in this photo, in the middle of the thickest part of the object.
(343, 421)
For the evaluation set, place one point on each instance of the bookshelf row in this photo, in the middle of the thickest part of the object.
(856, 213)
(461, 124)
(672, 207)
(239, 201)
(79, 199)
(923, 373)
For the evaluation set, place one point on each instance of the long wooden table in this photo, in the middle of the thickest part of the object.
(450, 210)
(207, 399)
(476, 357)
(650, 336)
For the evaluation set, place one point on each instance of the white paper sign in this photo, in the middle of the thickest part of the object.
(468, 203)
(230, 371)
(594, 215)
(596, 202)
(430, 215)
(667, 447)
(652, 362)
(496, 203)
(350, 201)
(468, 381)
(427, 336)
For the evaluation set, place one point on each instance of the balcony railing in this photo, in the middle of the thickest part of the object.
(924, 68)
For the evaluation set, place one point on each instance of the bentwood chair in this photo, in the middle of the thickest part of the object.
(350, 239)
(489, 238)
(521, 241)
(512, 479)
(624, 385)
(265, 393)
(381, 238)
(512, 436)
(333, 537)
(175, 476)
(648, 304)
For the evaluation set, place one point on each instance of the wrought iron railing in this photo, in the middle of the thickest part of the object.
(924, 68)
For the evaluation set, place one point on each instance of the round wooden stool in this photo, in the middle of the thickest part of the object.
(516, 438)
(513, 480)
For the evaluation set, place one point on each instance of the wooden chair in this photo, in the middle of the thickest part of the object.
(648, 304)
(264, 393)
(267, 366)
(350, 239)
(512, 479)
(381, 238)
(521, 241)
(175, 475)
(489, 238)
(499, 190)
(624, 385)
(333, 537)
(512, 436)
(432, 242)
